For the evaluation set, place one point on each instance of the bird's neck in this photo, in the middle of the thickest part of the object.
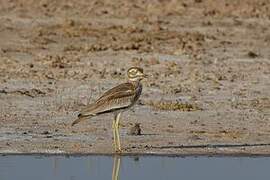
(135, 82)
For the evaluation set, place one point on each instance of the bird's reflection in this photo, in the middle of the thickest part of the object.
(116, 167)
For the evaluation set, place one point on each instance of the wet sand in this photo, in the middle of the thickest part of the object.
(210, 64)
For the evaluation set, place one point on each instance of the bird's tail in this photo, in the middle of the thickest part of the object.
(80, 118)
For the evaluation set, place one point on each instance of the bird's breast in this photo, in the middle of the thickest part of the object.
(138, 92)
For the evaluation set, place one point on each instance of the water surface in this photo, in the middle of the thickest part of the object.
(14, 167)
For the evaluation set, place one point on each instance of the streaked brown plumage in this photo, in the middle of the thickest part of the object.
(116, 100)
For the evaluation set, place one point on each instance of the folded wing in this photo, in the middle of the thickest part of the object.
(119, 97)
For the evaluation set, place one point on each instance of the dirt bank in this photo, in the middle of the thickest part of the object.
(209, 60)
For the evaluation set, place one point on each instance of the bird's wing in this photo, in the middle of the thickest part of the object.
(118, 97)
(125, 87)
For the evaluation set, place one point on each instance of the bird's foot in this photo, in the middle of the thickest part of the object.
(118, 151)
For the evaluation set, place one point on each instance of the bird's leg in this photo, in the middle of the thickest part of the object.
(117, 131)
(114, 133)
(116, 168)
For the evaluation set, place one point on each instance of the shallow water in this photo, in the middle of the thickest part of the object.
(22, 167)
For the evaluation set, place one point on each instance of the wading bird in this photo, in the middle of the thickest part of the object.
(116, 100)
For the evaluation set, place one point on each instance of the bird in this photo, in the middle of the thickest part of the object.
(116, 101)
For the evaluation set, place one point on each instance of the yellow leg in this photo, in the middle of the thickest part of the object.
(116, 168)
(117, 131)
(114, 135)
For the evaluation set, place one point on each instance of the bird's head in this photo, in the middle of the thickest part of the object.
(135, 74)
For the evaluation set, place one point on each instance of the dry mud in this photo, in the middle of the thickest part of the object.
(210, 64)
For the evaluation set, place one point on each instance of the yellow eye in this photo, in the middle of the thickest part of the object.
(133, 71)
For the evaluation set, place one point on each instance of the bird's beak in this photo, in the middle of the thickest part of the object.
(145, 75)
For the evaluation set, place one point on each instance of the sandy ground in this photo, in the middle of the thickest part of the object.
(210, 64)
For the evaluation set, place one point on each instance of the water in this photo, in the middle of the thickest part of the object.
(133, 168)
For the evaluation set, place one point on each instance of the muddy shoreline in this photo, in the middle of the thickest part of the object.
(209, 61)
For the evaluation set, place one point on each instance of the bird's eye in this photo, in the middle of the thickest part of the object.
(134, 71)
